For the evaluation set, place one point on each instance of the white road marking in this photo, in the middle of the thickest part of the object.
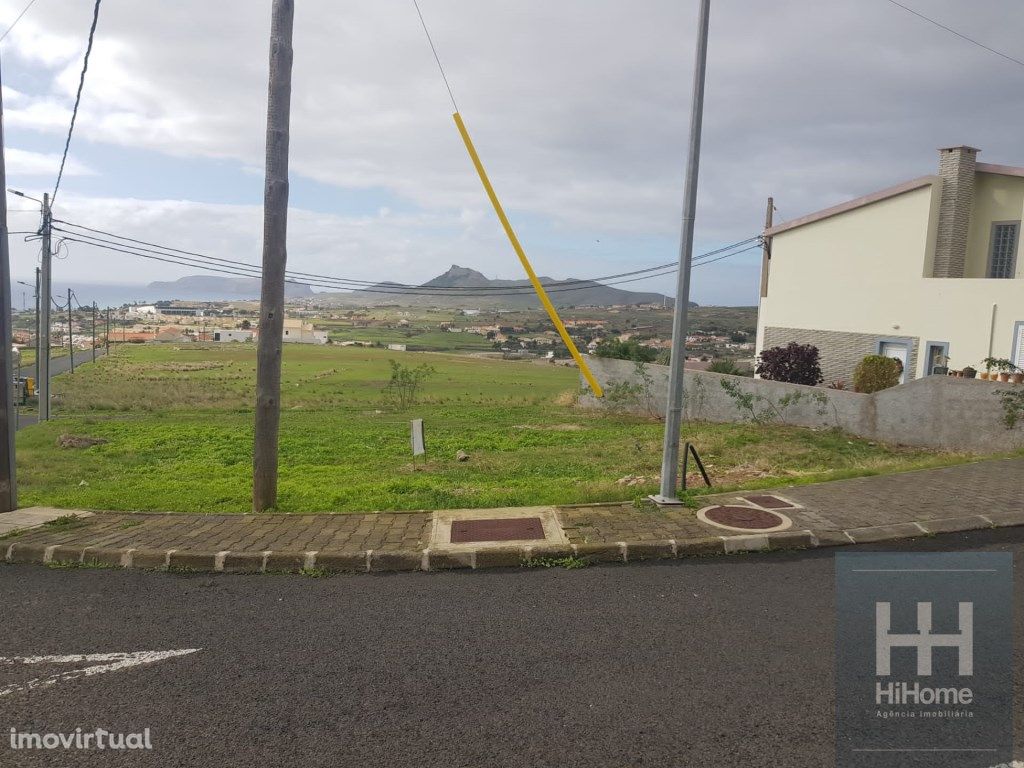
(101, 663)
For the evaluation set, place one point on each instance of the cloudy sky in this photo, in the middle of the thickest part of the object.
(579, 109)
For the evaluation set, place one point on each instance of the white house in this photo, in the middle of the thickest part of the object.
(140, 310)
(298, 331)
(234, 334)
(925, 270)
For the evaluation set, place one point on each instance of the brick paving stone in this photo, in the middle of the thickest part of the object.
(952, 497)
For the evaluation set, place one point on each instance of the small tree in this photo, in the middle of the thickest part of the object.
(794, 363)
(875, 373)
(404, 385)
(626, 350)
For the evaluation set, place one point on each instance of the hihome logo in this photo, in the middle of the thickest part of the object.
(924, 641)
(924, 659)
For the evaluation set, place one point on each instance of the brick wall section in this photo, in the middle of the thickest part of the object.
(957, 166)
(840, 351)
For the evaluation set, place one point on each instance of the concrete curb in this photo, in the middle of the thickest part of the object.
(176, 560)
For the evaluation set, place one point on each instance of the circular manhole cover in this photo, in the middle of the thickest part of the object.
(738, 518)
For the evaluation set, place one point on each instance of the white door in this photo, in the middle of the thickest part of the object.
(898, 351)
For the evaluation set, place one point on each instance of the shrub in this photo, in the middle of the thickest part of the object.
(794, 363)
(404, 386)
(1013, 406)
(626, 350)
(875, 373)
(725, 367)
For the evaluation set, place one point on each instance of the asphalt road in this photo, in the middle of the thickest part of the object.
(62, 364)
(58, 365)
(704, 662)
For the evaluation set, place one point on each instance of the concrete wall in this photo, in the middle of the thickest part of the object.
(933, 412)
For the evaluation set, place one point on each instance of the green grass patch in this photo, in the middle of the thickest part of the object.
(179, 429)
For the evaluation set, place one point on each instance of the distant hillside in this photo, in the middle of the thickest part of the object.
(575, 293)
(212, 288)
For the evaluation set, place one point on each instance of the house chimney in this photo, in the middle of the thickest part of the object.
(956, 170)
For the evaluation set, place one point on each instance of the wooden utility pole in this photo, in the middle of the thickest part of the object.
(45, 298)
(107, 337)
(94, 331)
(71, 334)
(275, 257)
(8, 427)
(766, 256)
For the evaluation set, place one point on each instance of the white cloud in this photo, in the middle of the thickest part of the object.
(22, 162)
(579, 108)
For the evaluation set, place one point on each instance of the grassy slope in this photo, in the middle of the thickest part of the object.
(179, 426)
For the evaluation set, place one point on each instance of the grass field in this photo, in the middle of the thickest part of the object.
(178, 426)
(418, 340)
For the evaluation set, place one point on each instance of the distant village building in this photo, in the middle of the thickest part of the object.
(173, 335)
(397, 347)
(298, 331)
(234, 334)
(142, 309)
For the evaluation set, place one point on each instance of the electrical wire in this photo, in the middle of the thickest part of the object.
(252, 271)
(961, 35)
(191, 258)
(15, 22)
(436, 57)
(78, 98)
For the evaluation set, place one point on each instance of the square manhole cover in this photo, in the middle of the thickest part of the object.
(769, 502)
(502, 529)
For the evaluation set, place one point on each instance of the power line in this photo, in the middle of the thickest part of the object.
(239, 269)
(251, 270)
(961, 35)
(436, 57)
(78, 97)
(191, 258)
(15, 22)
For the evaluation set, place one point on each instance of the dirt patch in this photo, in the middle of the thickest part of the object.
(567, 398)
(186, 367)
(78, 441)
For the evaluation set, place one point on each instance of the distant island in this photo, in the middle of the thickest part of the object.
(482, 292)
(567, 292)
(214, 288)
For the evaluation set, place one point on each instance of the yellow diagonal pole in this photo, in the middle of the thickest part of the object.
(541, 293)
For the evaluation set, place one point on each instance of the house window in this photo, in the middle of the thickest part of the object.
(1002, 260)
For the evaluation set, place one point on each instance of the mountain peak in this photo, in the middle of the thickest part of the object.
(459, 277)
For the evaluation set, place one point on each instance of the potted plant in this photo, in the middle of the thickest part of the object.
(969, 373)
(990, 363)
(1003, 368)
(1017, 376)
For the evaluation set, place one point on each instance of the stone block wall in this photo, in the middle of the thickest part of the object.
(841, 351)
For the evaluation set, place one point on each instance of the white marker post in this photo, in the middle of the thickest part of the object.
(419, 445)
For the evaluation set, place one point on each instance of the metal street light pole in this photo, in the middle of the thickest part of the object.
(45, 292)
(8, 427)
(674, 409)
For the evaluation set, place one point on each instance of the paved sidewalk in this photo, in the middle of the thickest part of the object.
(964, 497)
